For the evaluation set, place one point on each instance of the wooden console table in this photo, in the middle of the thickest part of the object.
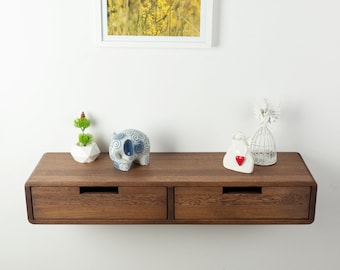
(176, 188)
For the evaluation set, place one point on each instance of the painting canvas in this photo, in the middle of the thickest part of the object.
(174, 23)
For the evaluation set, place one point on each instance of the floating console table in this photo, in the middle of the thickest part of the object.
(175, 188)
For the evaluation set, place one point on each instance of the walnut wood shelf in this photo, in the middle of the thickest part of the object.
(176, 188)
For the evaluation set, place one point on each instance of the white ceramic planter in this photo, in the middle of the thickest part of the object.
(85, 154)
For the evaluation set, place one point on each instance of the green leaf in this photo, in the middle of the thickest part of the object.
(82, 123)
(85, 139)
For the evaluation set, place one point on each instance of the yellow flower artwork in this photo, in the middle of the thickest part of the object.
(167, 18)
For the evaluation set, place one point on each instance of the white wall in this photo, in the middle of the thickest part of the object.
(185, 100)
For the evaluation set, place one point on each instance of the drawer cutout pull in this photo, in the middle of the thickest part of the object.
(98, 190)
(241, 190)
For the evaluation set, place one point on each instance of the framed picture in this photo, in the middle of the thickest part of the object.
(156, 23)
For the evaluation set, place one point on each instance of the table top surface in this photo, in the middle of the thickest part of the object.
(169, 169)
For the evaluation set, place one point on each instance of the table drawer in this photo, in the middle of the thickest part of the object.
(242, 203)
(110, 203)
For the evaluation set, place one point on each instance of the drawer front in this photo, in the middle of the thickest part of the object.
(242, 203)
(112, 203)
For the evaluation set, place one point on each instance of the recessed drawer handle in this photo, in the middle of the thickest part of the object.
(98, 190)
(241, 190)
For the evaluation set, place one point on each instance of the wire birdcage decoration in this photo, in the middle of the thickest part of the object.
(263, 147)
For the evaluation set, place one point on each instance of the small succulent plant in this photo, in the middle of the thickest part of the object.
(83, 123)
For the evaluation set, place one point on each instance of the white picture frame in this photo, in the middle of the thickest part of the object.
(204, 40)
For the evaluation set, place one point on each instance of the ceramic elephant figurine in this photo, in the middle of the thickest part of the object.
(127, 147)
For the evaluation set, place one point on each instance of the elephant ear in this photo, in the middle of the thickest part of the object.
(128, 148)
(139, 147)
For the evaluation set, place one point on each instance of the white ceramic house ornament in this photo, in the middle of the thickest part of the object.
(238, 157)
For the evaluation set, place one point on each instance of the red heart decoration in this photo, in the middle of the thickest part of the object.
(240, 160)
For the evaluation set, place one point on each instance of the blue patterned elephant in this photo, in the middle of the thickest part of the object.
(127, 147)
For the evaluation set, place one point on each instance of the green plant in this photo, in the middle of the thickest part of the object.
(83, 123)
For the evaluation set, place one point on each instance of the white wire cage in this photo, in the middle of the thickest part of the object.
(263, 147)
